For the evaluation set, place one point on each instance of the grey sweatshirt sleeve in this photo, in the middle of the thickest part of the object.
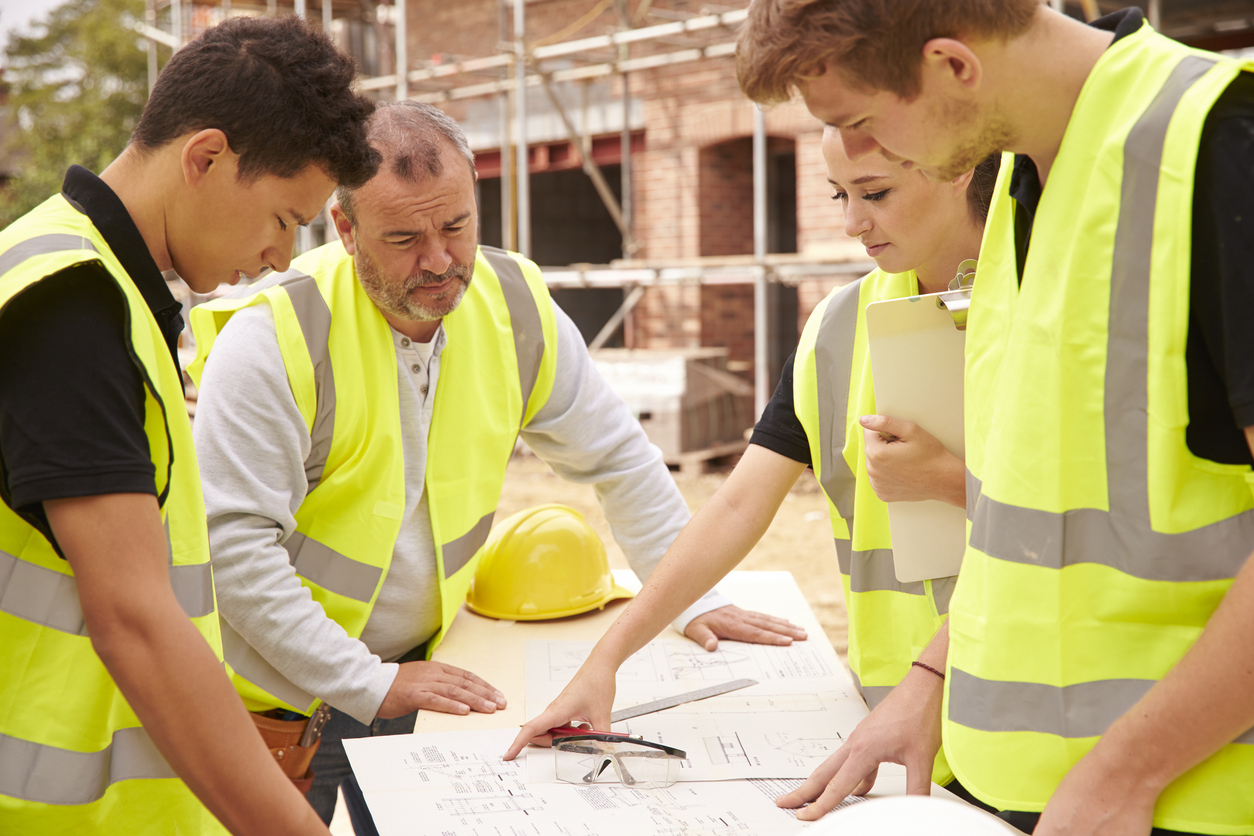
(587, 434)
(251, 443)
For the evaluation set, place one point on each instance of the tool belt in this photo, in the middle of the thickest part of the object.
(293, 742)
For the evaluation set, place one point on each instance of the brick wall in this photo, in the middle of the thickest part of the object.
(693, 180)
(725, 198)
(727, 320)
(668, 316)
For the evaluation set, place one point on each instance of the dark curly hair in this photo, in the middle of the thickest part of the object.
(279, 90)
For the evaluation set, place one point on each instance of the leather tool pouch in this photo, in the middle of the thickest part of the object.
(293, 743)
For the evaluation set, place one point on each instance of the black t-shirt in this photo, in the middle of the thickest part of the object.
(71, 392)
(1219, 353)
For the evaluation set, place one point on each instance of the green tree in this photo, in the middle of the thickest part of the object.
(77, 89)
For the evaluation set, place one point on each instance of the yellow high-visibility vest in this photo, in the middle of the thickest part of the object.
(889, 622)
(75, 758)
(496, 372)
(1099, 544)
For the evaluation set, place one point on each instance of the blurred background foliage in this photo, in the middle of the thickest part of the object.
(77, 83)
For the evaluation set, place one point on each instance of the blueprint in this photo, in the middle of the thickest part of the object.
(802, 710)
(685, 663)
(455, 784)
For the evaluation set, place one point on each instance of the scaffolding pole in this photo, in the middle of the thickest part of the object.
(761, 307)
(724, 21)
(150, 17)
(520, 114)
(507, 149)
(402, 51)
(625, 171)
(176, 22)
(593, 171)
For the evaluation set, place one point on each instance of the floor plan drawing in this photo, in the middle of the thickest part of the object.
(489, 798)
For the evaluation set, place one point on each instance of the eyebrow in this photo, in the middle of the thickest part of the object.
(410, 234)
(298, 217)
(858, 182)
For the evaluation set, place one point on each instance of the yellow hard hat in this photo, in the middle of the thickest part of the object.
(544, 562)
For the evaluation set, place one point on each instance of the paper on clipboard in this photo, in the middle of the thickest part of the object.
(917, 366)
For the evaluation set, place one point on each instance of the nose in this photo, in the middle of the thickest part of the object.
(434, 256)
(857, 143)
(279, 255)
(857, 221)
(279, 258)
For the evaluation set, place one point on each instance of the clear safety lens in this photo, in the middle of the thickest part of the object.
(593, 758)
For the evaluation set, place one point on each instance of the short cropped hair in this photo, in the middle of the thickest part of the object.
(875, 44)
(980, 189)
(410, 136)
(279, 90)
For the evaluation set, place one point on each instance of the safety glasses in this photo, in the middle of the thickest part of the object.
(608, 756)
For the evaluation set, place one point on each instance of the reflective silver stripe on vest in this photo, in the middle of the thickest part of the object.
(50, 598)
(193, 587)
(457, 553)
(873, 570)
(524, 320)
(1122, 537)
(50, 775)
(248, 663)
(55, 242)
(833, 366)
(873, 695)
(331, 570)
(1085, 709)
(974, 487)
(315, 324)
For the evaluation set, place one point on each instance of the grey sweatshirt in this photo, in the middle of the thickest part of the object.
(252, 442)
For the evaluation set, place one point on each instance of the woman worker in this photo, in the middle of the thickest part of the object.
(918, 232)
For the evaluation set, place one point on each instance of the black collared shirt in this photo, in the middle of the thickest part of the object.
(71, 393)
(1219, 354)
(1220, 349)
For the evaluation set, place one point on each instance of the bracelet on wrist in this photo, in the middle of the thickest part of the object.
(927, 667)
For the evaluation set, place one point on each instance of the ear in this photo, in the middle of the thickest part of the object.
(961, 182)
(205, 152)
(950, 60)
(343, 228)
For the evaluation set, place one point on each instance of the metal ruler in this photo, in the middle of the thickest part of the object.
(680, 699)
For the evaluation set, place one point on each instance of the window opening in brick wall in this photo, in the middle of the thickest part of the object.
(569, 223)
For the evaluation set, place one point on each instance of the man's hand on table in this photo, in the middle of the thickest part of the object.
(587, 699)
(906, 463)
(435, 686)
(735, 624)
(905, 728)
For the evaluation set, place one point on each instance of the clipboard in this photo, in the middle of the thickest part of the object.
(916, 345)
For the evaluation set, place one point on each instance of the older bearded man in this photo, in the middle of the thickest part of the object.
(382, 387)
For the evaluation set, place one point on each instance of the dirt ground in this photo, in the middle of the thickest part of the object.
(798, 541)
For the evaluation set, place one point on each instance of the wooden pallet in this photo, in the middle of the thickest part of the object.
(696, 462)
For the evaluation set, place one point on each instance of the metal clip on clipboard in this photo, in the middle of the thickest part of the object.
(958, 298)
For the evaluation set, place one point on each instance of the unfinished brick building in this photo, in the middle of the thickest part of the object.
(645, 90)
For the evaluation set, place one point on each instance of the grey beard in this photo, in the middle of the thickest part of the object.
(399, 300)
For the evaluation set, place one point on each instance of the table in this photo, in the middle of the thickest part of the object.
(495, 650)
